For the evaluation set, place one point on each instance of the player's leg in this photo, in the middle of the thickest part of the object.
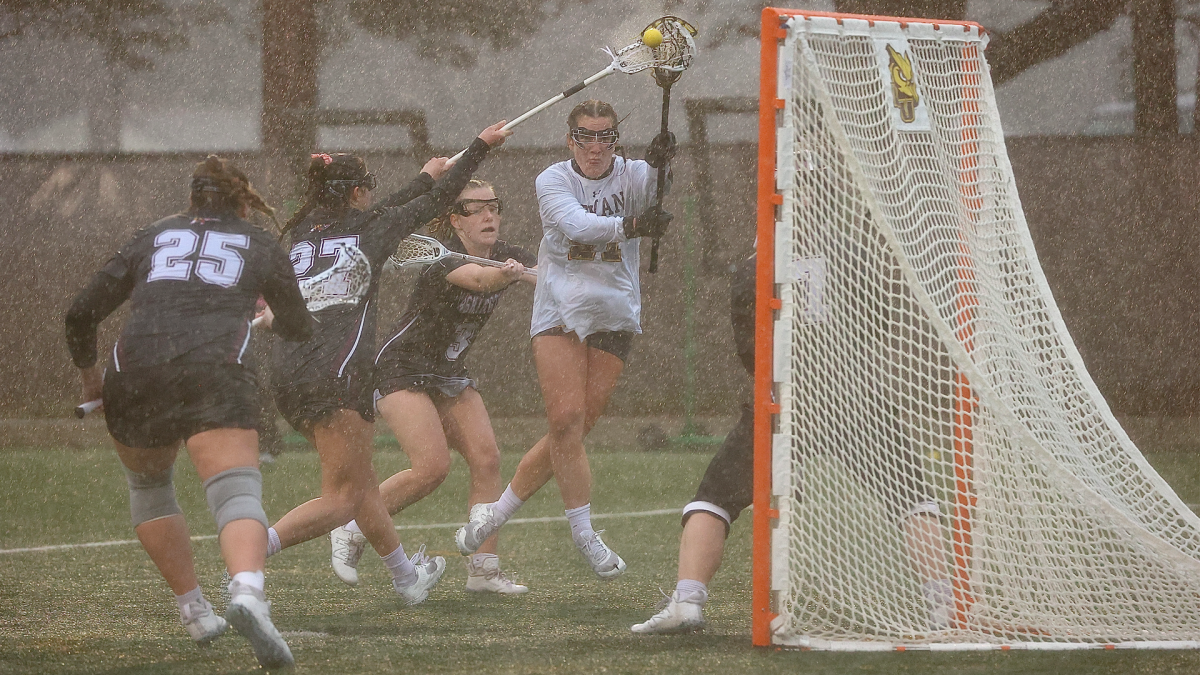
(147, 447)
(561, 361)
(469, 429)
(724, 492)
(343, 441)
(412, 577)
(417, 425)
(226, 460)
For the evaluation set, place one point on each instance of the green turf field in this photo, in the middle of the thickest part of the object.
(106, 610)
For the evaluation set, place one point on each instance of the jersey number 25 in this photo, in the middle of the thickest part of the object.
(218, 264)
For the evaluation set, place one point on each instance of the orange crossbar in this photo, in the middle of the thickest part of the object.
(764, 406)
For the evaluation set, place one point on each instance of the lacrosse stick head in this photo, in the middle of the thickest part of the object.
(345, 283)
(673, 56)
(416, 249)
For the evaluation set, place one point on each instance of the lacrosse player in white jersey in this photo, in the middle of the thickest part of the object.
(595, 208)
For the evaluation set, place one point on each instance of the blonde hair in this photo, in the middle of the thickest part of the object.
(440, 227)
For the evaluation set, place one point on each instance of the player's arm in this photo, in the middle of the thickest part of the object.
(562, 209)
(101, 297)
(105, 292)
(480, 279)
(289, 316)
(418, 186)
(403, 221)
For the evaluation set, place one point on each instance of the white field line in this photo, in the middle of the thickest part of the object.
(419, 526)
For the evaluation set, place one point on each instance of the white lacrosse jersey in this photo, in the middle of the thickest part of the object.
(587, 269)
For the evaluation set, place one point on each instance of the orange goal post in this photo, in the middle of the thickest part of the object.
(934, 466)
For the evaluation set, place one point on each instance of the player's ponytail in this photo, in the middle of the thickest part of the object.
(329, 180)
(219, 186)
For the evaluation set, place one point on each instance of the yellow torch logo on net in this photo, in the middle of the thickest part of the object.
(904, 88)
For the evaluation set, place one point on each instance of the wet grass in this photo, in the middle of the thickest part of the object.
(105, 609)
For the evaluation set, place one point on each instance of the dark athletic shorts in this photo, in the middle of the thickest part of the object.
(728, 483)
(162, 405)
(616, 342)
(304, 404)
(400, 372)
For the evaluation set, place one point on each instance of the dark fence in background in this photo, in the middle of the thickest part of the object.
(1113, 221)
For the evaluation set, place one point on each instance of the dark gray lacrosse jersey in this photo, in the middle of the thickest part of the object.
(443, 320)
(343, 342)
(192, 282)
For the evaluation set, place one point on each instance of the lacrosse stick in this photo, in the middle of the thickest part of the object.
(665, 77)
(673, 55)
(419, 250)
(83, 409)
(345, 283)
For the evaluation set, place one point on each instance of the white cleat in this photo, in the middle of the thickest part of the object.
(488, 578)
(676, 618)
(604, 561)
(429, 571)
(482, 523)
(250, 614)
(201, 622)
(348, 548)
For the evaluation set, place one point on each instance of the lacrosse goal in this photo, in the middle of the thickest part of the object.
(934, 468)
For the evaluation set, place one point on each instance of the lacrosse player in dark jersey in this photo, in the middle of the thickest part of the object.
(423, 389)
(323, 386)
(179, 372)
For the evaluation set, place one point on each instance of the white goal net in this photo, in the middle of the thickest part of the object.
(945, 473)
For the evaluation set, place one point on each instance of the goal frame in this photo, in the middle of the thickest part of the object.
(765, 409)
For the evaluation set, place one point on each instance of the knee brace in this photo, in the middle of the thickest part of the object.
(235, 494)
(151, 496)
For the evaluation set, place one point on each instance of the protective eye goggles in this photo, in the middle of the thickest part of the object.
(474, 207)
(367, 182)
(605, 137)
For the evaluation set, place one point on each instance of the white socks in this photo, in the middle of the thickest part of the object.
(352, 527)
(508, 504)
(186, 599)
(402, 569)
(255, 580)
(690, 590)
(580, 519)
(273, 545)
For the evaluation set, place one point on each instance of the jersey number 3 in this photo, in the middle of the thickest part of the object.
(219, 263)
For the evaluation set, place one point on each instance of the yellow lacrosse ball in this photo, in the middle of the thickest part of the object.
(652, 37)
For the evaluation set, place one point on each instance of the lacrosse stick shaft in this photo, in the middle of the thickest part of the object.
(662, 175)
(84, 408)
(565, 95)
(487, 262)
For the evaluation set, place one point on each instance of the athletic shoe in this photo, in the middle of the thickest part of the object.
(604, 561)
(250, 613)
(348, 548)
(481, 524)
(677, 617)
(201, 622)
(429, 570)
(487, 578)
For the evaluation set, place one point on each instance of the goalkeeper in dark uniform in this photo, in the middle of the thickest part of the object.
(726, 489)
(423, 389)
(180, 372)
(323, 386)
